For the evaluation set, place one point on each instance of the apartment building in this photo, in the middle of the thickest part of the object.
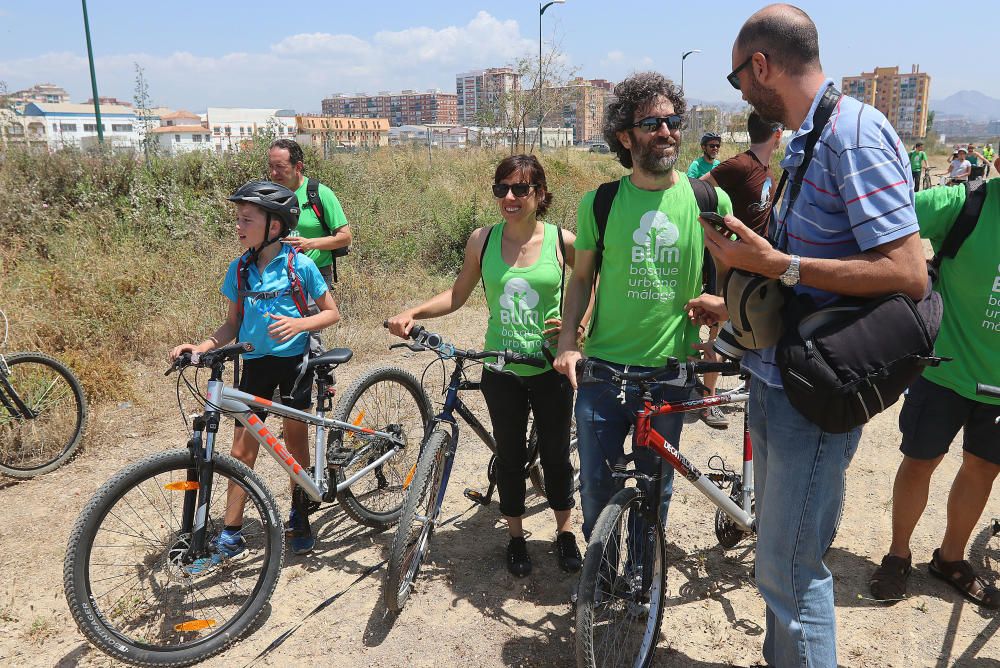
(407, 107)
(330, 133)
(478, 91)
(903, 98)
(233, 128)
(580, 105)
(45, 93)
(75, 125)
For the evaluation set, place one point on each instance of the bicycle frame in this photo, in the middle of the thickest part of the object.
(647, 437)
(9, 397)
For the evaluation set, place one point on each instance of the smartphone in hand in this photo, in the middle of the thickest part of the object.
(719, 223)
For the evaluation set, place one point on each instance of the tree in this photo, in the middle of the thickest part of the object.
(6, 113)
(144, 117)
(930, 122)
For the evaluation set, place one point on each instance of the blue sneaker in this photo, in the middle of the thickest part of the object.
(227, 546)
(300, 532)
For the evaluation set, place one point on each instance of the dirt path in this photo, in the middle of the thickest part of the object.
(466, 609)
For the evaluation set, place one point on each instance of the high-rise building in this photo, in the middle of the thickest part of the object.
(580, 105)
(479, 90)
(903, 98)
(405, 108)
(45, 93)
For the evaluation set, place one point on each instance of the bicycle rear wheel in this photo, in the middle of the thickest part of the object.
(45, 435)
(412, 541)
(386, 399)
(125, 574)
(622, 586)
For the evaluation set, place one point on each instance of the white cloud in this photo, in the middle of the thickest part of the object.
(614, 57)
(296, 71)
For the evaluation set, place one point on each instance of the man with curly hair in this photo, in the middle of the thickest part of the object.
(650, 266)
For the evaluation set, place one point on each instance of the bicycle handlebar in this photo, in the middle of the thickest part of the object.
(586, 366)
(426, 340)
(988, 390)
(211, 358)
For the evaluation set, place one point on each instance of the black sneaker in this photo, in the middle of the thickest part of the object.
(569, 555)
(518, 561)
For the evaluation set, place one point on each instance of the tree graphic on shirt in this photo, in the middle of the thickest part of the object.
(518, 297)
(655, 231)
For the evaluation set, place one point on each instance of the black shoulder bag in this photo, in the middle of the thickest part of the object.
(846, 362)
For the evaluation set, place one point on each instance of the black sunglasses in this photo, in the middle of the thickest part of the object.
(653, 123)
(500, 190)
(733, 77)
(713, 145)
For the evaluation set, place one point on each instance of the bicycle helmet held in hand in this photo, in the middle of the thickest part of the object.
(274, 198)
(709, 136)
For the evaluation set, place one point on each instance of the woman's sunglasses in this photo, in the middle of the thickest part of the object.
(653, 123)
(500, 190)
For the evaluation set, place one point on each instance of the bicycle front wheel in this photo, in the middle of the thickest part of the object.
(127, 573)
(620, 600)
(42, 415)
(412, 541)
(389, 400)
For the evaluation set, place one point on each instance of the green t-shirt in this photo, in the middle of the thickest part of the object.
(521, 299)
(309, 225)
(653, 255)
(700, 167)
(970, 288)
(917, 160)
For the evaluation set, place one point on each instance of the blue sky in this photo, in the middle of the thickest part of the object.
(200, 54)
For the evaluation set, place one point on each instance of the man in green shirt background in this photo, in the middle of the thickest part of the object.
(286, 164)
(918, 163)
(944, 400)
(651, 266)
(709, 159)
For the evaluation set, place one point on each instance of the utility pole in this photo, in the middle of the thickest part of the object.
(683, 58)
(93, 76)
(541, 112)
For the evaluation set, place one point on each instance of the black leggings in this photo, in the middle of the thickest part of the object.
(549, 397)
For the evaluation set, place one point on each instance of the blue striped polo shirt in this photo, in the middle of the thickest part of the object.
(857, 194)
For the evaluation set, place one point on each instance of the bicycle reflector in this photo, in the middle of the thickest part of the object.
(409, 477)
(182, 486)
(195, 625)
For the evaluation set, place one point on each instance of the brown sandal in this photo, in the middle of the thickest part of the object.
(961, 576)
(888, 582)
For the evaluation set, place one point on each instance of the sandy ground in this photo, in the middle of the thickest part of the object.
(466, 609)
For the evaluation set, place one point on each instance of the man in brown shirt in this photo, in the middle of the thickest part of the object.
(746, 177)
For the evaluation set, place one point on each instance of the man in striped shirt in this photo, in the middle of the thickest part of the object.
(852, 231)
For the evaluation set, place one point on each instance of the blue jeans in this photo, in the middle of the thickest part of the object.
(602, 423)
(799, 485)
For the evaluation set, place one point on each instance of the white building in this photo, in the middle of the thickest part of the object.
(479, 91)
(233, 128)
(176, 139)
(75, 125)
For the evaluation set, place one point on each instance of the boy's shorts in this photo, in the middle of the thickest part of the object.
(932, 415)
(260, 376)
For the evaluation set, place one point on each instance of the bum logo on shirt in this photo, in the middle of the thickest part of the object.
(518, 302)
(651, 276)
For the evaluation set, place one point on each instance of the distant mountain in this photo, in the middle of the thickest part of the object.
(970, 104)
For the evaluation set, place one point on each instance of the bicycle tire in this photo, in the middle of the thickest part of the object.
(159, 565)
(537, 475)
(411, 543)
(374, 401)
(61, 406)
(604, 592)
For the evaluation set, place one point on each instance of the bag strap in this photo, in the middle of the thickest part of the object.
(312, 195)
(482, 256)
(295, 285)
(965, 222)
(562, 267)
(603, 200)
(824, 110)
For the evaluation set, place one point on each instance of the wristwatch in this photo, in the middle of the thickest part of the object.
(791, 275)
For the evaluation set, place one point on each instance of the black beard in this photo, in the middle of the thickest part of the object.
(655, 164)
(766, 102)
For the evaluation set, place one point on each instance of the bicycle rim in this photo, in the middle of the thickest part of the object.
(128, 557)
(623, 586)
(39, 441)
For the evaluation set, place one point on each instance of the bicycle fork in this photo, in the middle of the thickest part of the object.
(198, 484)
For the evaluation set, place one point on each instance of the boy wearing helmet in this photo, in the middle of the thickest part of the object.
(264, 311)
(710, 145)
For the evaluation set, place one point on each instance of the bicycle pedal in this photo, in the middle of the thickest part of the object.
(340, 456)
(476, 497)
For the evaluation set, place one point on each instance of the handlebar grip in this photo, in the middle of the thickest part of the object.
(988, 390)
(385, 324)
(547, 354)
(416, 331)
(520, 358)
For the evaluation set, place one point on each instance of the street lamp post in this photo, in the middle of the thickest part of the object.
(541, 113)
(93, 75)
(683, 57)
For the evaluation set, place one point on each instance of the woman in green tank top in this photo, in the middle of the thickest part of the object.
(520, 262)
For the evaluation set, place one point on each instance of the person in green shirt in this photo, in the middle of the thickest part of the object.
(709, 159)
(988, 156)
(521, 269)
(286, 164)
(918, 164)
(944, 400)
(651, 266)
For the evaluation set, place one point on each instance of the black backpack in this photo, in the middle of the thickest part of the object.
(704, 193)
(312, 194)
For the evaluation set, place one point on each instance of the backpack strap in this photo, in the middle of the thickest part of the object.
(708, 200)
(312, 195)
(295, 285)
(482, 256)
(965, 222)
(242, 283)
(604, 198)
(562, 266)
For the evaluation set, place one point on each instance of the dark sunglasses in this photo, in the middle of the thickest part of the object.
(734, 78)
(713, 145)
(653, 123)
(500, 190)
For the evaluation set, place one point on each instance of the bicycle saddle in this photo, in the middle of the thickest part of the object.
(331, 357)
